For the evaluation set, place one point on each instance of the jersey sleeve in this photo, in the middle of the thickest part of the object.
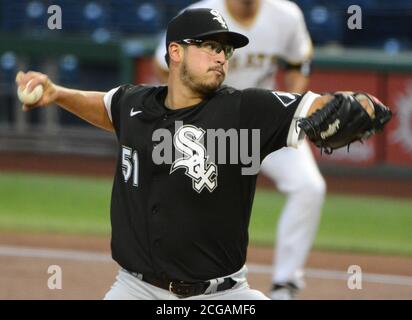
(112, 102)
(275, 115)
(299, 49)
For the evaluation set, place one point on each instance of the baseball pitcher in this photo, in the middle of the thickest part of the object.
(181, 204)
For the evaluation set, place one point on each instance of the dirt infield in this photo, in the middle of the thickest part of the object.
(24, 263)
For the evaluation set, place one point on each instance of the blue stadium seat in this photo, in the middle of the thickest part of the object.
(8, 67)
(36, 15)
(95, 14)
(68, 70)
(326, 20)
(381, 24)
(136, 17)
(325, 24)
(12, 14)
(173, 7)
(395, 45)
(23, 15)
(72, 15)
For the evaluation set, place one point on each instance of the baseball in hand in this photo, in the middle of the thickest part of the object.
(30, 97)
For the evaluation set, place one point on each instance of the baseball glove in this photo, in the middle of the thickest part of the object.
(344, 120)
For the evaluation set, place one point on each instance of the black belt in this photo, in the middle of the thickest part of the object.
(181, 288)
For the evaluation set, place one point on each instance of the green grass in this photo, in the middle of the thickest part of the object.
(353, 223)
(54, 203)
(43, 203)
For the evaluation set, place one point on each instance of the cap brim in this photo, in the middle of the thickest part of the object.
(235, 39)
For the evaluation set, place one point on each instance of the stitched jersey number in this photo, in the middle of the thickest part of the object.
(130, 165)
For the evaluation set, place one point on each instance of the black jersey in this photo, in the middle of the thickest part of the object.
(176, 211)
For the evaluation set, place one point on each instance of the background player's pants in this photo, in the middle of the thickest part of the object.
(295, 173)
(128, 287)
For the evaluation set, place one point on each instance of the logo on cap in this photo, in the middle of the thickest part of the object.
(219, 18)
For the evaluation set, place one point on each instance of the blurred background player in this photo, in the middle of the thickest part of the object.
(276, 29)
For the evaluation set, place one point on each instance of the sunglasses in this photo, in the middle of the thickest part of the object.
(211, 47)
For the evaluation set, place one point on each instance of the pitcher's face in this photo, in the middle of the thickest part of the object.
(201, 70)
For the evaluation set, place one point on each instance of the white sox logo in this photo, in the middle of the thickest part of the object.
(219, 18)
(194, 160)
